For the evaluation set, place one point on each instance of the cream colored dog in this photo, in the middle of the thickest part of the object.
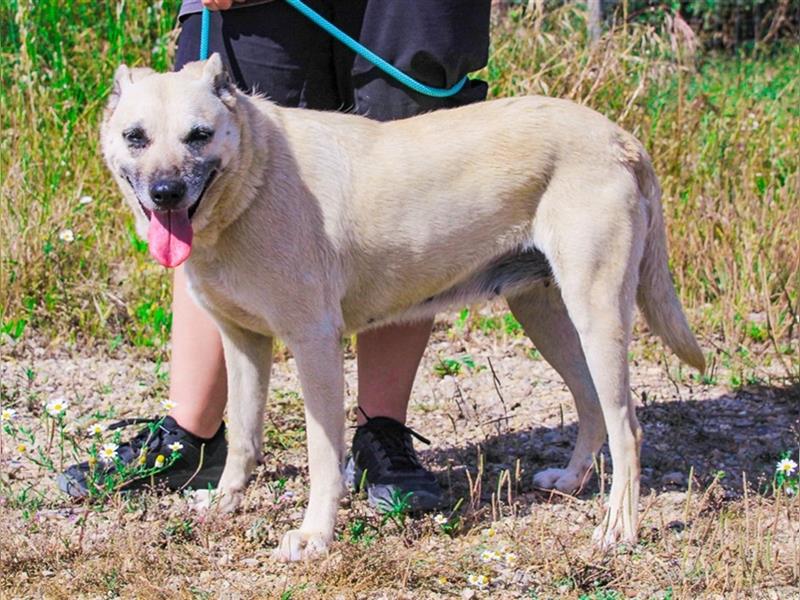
(309, 225)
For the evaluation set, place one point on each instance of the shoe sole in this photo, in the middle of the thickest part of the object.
(379, 496)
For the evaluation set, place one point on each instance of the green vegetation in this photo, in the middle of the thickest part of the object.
(723, 132)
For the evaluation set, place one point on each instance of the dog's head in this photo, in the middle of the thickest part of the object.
(166, 138)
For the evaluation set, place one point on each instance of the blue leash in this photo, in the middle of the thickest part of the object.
(356, 47)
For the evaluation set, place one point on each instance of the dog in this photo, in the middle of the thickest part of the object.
(309, 225)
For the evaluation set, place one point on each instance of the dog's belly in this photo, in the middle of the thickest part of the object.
(506, 275)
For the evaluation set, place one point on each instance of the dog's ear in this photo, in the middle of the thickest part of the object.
(124, 77)
(217, 77)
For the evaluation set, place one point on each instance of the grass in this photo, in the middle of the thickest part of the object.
(723, 131)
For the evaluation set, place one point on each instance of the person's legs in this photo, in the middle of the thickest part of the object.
(388, 358)
(197, 385)
(436, 43)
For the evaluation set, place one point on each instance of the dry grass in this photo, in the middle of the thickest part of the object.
(723, 133)
(708, 530)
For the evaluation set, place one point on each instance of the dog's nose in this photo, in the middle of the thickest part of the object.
(167, 193)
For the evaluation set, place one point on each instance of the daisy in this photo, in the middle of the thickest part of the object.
(85, 200)
(478, 581)
(786, 466)
(108, 452)
(7, 414)
(57, 407)
(95, 429)
(66, 236)
(175, 446)
(159, 461)
(489, 556)
(168, 404)
(510, 559)
(22, 449)
(440, 519)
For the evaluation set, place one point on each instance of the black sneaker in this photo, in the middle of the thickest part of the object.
(383, 457)
(191, 462)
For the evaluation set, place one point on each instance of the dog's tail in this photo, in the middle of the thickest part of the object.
(656, 294)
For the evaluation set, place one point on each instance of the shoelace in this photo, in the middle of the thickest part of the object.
(395, 441)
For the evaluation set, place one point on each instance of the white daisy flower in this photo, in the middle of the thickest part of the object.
(489, 556)
(108, 452)
(159, 461)
(175, 446)
(440, 519)
(478, 581)
(95, 429)
(786, 466)
(22, 448)
(489, 532)
(510, 559)
(7, 414)
(57, 407)
(66, 235)
(85, 200)
(168, 404)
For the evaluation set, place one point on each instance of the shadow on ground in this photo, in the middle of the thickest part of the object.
(744, 431)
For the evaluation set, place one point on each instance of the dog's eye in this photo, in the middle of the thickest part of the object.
(199, 135)
(135, 137)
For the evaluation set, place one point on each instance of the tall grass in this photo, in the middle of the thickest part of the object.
(57, 60)
(723, 132)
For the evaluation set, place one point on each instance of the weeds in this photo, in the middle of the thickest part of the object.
(453, 366)
(723, 133)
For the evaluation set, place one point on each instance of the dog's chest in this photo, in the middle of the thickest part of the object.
(223, 297)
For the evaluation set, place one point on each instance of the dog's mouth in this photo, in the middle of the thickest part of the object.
(169, 235)
(209, 180)
(191, 210)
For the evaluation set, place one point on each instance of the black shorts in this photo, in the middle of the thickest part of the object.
(273, 49)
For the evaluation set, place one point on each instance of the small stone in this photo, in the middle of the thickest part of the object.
(674, 478)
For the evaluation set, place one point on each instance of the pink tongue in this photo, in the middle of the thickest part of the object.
(170, 237)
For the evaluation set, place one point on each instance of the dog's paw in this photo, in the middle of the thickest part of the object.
(201, 500)
(608, 537)
(299, 545)
(563, 480)
(226, 501)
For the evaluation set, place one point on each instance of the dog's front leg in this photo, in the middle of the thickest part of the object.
(248, 360)
(319, 363)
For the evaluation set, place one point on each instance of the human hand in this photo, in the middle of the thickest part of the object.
(219, 4)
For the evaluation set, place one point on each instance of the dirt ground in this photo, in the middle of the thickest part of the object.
(711, 526)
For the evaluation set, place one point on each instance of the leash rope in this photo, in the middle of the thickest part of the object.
(351, 43)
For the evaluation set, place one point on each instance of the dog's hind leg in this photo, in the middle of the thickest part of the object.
(320, 366)
(595, 250)
(248, 360)
(542, 313)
